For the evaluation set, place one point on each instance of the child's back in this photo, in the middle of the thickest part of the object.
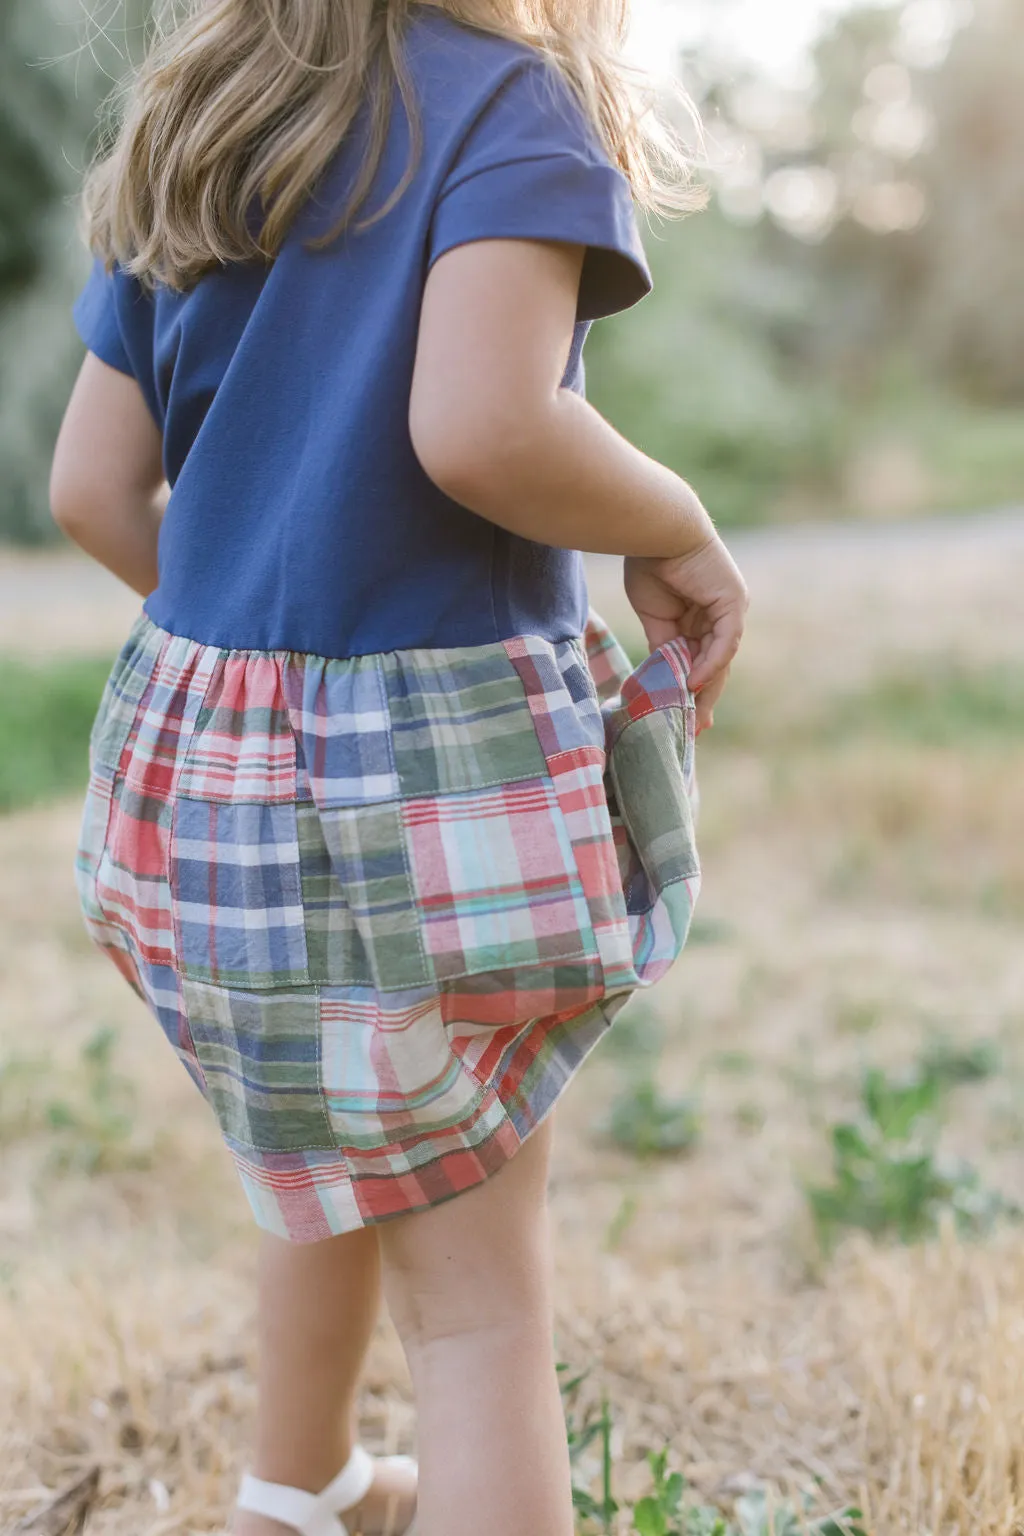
(301, 518)
(369, 826)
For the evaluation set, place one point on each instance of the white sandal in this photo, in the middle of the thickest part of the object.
(318, 1514)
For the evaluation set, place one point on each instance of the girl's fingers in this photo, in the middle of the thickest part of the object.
(712, 692)
(725, 642)
(707, 699)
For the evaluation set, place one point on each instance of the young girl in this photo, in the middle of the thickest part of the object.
(369, 826)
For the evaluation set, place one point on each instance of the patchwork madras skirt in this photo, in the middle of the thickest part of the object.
(383, 907)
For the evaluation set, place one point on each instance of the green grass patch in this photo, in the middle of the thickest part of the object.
(938, 703)
(973, 454)
(944, 706)
(46, 714)
(641, 1118)
(648, 1123)
(888, 1176)
(85, 1110)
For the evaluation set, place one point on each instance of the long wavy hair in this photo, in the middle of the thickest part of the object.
(241, 104)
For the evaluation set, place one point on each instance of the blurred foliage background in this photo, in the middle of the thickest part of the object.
(841, 334)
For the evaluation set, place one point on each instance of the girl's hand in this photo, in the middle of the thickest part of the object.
(700, 597)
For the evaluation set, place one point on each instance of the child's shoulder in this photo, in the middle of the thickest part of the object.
(465, 53)
(457, 66)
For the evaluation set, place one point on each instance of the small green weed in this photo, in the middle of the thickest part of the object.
(896, 1106)
(97, 1122)
(644, 1121)
(46, 714)
(637, 1034)
(621, 1222)
(951, 1064)
(662, 1512)
(583, 1430)
(670, 1509)
(21, 1078)
(887, 1175)
(758, 1515)
(641, 1119)
(88, 1111)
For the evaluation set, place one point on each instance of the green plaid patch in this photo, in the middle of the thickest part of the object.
(333, 942)
(650, 788)
(458, 721)
(366, 848)
(260, 1054)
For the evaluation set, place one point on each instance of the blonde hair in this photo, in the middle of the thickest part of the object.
(241, 104)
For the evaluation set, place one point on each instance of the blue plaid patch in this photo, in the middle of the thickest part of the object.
(236, 875)
(340, 717)
(561, 695)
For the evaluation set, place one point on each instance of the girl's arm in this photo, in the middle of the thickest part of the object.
(107, 487)
(493, 428)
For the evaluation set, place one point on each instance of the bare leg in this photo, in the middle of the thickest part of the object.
(468, 1284)
(318, 1306)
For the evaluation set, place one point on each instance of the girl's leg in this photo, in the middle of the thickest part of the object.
(468, 1285)
(318, 1306)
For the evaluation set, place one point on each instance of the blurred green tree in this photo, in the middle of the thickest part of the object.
(28, 181)
(856, 315)
(44, 123)
(920, 134)
(969, 317)
(56, 66)
(709, 378)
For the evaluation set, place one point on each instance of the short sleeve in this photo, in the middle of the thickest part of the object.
(532, 168)
(96, 318)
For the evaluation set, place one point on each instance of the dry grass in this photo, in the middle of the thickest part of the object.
(860, 894)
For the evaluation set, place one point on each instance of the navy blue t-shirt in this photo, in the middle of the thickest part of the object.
(300, 518)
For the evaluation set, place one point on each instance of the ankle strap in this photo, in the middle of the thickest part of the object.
(311, 1514)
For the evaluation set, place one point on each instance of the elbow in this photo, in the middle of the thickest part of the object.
(73, 502)
(461, 476)
(65, 505)
(66, 510)
(480, 460)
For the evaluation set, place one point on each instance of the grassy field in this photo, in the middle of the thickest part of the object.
(836, 1065)
(46, 712)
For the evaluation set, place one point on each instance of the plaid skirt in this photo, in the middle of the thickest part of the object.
(383, 907)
